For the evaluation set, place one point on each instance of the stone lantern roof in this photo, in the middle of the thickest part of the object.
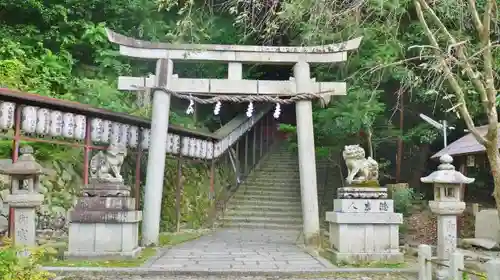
(446, 174)
(25, 165)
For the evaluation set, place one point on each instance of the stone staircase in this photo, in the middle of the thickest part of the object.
(270, 197)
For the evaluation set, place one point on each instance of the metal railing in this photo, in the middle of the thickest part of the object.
(430, 267)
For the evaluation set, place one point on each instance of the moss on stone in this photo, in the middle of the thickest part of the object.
(367, 184)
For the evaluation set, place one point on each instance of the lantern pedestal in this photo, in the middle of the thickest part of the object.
(24, 205)
(104, 227)
(365, 230)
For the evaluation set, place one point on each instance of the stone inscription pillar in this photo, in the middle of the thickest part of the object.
(156, 155)
(307, 158)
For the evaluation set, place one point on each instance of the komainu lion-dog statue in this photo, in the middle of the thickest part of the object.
(106, 166)
(360, 169)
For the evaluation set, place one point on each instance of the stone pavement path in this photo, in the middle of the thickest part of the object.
(240, 249)
(339, 277)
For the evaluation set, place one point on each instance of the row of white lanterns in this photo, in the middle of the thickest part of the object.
(43, 121)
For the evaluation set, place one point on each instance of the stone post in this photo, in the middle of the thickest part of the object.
(24, 198)
(307, 159)
(153, 193)
(446, 205)
(493, 269)
(456, 266)
(424, 264)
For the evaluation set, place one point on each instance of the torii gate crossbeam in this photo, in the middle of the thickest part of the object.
(235, 56)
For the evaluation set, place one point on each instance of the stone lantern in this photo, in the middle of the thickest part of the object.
(446, 205)
(25, 179)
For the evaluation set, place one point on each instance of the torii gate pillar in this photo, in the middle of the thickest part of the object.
(307, 158)
(156, 158)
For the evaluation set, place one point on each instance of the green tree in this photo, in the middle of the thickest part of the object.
(468, 61)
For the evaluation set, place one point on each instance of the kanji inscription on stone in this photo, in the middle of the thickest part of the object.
(22, 235)
(368, 206)
(22, 219)
(353, 206)
(383, 206)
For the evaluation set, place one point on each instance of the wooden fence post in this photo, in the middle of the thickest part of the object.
(424, 266)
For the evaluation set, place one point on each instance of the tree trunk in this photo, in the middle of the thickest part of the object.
(370, 143)
(494, 160)
(420, 162)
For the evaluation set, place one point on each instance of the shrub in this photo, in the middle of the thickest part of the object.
(403, 200)
(15, 266)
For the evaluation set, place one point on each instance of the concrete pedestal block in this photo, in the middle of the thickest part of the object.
(365, 237)
(104, 227)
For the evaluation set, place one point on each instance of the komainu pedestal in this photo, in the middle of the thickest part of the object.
(363, 226)
(104, 227)
(104, 222)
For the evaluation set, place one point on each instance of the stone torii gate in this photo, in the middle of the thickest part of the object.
(165, 83)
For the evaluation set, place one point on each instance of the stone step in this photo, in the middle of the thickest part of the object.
(262, 203)
(261, 181)
(282, 161)
(274, 180)
(263, 220)
(279, 170)
(262, 226)
(269, 192)
(278, 167)
(272, 187)
(250, 190)
(263, 213)
(278, 173)
(272, 183)
(292, 208)
(289, 199)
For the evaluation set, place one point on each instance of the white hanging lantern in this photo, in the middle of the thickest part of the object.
(203, 152)
(217, 149)
(7, 110)
(170, 143)
(133, 136)
(198, 148)
(106, 131)
(29, 119)
(146, 137)
(56, 123)
(192, 147)
(185, 146)
(176, 146)
(116, 133)
(68, 125)
(96, 129)
(43, 121)
(124, 133)
(80, 127)
(210, 150)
